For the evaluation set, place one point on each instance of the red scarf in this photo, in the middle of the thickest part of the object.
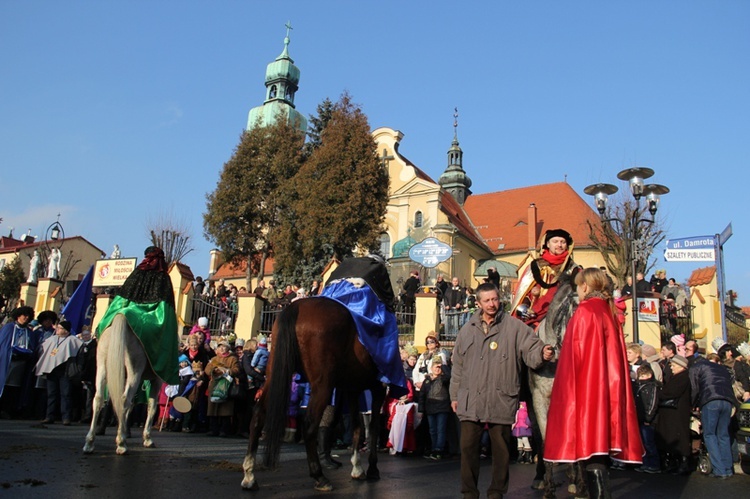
(555, 259)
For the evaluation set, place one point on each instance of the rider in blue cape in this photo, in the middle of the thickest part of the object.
(363, 286)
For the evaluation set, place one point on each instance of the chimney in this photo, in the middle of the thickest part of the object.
(532, 226)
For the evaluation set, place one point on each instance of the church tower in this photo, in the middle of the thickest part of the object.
(454, 178)
(282, 80)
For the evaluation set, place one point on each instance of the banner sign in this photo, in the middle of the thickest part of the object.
(113, 272)
(430, 252)
(691, 249)
(648, 309)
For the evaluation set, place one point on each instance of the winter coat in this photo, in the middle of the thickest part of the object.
(230, 362)
(485, 378)
(522, 426)
(673, 424)
(646, 400)
(434, 397)
(710, 382)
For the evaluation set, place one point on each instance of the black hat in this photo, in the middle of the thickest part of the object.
(66, 325)
(557, 233)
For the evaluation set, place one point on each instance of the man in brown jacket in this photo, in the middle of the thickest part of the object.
(487, 359)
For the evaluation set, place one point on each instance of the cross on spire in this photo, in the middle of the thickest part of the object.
(288, 27)
(385, 158)
(455, 122)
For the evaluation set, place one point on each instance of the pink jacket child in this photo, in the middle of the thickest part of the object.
(522, 426)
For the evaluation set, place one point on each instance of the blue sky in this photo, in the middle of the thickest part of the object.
(115, 113)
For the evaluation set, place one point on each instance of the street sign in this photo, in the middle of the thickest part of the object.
(725, 235)
(430, 252)
(691, 249)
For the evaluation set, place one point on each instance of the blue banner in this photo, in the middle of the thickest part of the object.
(77, 309)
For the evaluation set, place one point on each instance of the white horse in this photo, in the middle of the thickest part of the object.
(551, 331)
(122, 365)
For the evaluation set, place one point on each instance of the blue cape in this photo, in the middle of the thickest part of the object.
(376, 328)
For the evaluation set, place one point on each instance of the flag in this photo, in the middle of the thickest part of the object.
(77, 309)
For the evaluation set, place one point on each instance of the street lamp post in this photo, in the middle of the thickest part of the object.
(635, 177)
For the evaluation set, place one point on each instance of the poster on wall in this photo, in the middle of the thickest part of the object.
(648, 309)
(113, 271)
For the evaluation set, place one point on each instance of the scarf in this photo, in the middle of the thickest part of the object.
(555, 259)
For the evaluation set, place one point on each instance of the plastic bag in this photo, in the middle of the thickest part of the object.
(220, 391)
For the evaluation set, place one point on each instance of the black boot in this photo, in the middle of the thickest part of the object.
(684, 467)
(597, 480)
(324, 448)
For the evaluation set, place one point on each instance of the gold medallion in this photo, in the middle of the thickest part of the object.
(53, 352)
(493, 346)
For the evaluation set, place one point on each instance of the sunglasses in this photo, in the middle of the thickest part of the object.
(431, 341)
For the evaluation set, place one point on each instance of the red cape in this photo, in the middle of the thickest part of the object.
(592, 410)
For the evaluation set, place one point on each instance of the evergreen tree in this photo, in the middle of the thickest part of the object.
(11, 278)
(244, 211)
(341, 193)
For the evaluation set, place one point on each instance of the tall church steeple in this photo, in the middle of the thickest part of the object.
(282, 80)
(454, 178)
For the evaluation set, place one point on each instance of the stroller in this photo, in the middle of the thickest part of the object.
(699, 446)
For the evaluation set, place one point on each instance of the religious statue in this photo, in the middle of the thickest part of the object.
(33, 268)
(116, 252)
(53, 270)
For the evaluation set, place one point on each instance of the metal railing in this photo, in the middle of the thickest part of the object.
(406, 316)
(221, 315)
(268, 317)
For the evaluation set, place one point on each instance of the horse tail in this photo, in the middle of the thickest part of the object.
(115, 363)
(285, 353)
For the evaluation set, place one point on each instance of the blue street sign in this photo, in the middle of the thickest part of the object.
(690, 243)
(691, 249)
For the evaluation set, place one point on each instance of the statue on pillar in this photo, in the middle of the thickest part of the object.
(53, 270)
(34, 268)
(116, 252)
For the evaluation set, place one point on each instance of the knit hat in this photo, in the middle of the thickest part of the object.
(183, 358)
(680, 361)
(437, 361)
(66, 325)
(262, 341)
(648, 350)
(678, 340)
(239, 343)
(203, 321)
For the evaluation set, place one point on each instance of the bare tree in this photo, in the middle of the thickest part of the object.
(171, 234)
(614, 237)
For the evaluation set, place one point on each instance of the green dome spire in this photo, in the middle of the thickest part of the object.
(454, 178)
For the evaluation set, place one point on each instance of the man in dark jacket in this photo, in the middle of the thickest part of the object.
(712, 393)
(411, 286)
(485, 381)
(453, 301)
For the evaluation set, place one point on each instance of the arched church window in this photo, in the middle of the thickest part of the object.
(385, 245)
(272, 93)
(418, 219)
(288, 94)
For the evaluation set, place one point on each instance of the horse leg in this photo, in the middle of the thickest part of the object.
(256, 426)
(152, 405)
(315, 410)
(101, 383)
(128, 398)
(358, 473)
(378, 397)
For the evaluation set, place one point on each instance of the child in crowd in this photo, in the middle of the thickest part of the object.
(647, 405)
(434, 401)
(521, 429)
(257, 375)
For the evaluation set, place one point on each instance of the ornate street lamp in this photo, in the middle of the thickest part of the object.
(54, 232)
(635, 177)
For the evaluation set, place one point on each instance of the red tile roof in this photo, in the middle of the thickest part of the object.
(229, 271)
(703, 276)
(502, 217)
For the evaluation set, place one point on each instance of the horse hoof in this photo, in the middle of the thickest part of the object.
(148, 443)
(572, 488)
(250, 484)
(373, 474)
(361, 476)
(537, 484)
(88, 449)
(121, 450)
(323, 486)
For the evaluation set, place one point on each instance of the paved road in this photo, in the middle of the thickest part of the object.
(38, 461)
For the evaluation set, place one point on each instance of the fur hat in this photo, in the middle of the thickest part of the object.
(557, 233)
(680, 361)
(203, 321)
(437, 361)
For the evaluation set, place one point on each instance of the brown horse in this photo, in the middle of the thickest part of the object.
(317, 338)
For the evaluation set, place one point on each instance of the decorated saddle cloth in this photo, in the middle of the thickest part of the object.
(147, 302)
(376, 328)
